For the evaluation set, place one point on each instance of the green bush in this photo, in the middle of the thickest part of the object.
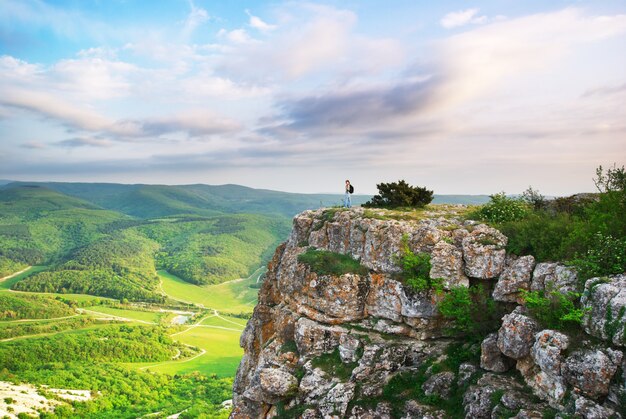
(398, 195)
(472, 311)
(545, 236)
(323, 262)
(502, 208)
(605, 256)
(554, 310)
(416, 269)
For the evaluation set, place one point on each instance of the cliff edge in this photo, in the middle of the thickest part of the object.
(363, 344)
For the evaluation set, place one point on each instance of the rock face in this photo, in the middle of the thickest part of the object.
(483, 251)
(355, 345)
(605, 302)
(515, 276)
(517, 334)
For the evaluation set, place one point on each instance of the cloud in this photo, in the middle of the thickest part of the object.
(462, 18)
(33, 145)
(465, 72)
(605, 91)
(194, 123)
(236, 36)
(310, 39)
(256, 23)
(196, 17)
(50, 106)
(84, 142)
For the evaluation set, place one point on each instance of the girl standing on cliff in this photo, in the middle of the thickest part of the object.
(347, 201)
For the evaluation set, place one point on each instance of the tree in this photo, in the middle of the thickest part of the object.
(400, 194)
(614, 180)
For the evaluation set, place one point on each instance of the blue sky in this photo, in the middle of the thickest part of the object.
(298, 96)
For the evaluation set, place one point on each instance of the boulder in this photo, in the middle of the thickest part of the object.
(348, 347)
(439, 384)
(277, 384)
(381, 411)
(515, 276)
(446, 262)
(483, 252)
(542, 369)
(548, 349)
(491, 358)
(588, 409)
(552, 276)
(605, 302)
(517, 334)
(413, 409)
(466, 371)
(590, 372)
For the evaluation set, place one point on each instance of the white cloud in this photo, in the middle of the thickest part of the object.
(256, 23)
(462, 18)
(311, 40)
(236, 36)
(196, 17)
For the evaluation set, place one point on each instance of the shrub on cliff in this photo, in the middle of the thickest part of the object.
(323, 262)
(472, 310)
(502, 208)
(416, 269)
(398, 195)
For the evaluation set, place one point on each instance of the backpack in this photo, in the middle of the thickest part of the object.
(351, 189)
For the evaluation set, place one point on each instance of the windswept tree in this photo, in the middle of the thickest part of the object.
(400, 194)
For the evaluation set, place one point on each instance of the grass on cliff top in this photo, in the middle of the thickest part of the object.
(323, 262)
(417, 214)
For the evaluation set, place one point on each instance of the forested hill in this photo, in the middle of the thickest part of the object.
(146, 201)
(89, 249)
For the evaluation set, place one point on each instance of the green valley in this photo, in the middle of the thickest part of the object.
(136, 294)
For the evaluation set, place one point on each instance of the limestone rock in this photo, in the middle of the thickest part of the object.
(315, 339)
(341, 297)
(547, 350)
(542, 369)
(605, 300)
(348, 347)
(483, 252)
(335, 402)
(413, 409)
(477, 400)
(588, 409)
(551, 276)
(382, 411)
(491, 358)
(277, 384)
(446, 262)
(384, 299)
(589, 372)
(466, 371)
(517, 334)
(515, 276)
(439, 384)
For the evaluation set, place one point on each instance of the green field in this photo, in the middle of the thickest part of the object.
(232, 297)
(221, 357)
(8, 283)
(143, 316)
(224, 321)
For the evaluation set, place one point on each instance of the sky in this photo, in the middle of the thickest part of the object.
(460, 97)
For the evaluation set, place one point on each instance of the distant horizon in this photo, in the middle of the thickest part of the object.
(9, 181)
(298, 96)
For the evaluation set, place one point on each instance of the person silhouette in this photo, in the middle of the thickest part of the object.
(347, 200)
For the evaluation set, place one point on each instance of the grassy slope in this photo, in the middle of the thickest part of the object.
(231, 297)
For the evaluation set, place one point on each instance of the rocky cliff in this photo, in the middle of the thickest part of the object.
(365, 345)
